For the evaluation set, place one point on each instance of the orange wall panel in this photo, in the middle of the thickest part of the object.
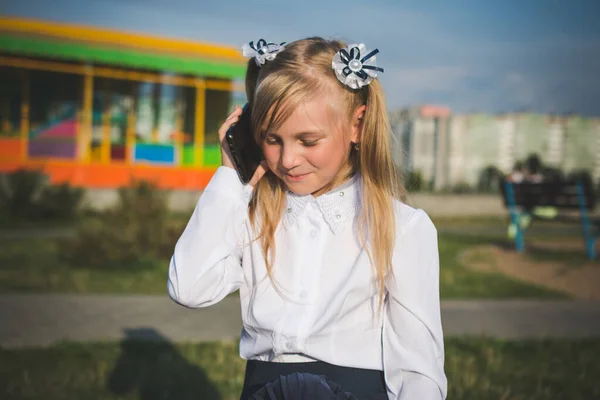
(11, 149)
(116, 175)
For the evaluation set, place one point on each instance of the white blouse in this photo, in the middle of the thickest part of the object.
(323, 304)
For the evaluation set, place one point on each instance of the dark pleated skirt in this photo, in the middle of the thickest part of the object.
(268, 380)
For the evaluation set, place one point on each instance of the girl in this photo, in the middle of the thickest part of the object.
(337, 276)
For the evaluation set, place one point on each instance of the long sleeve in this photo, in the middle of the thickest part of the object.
(413, 344)
(206, 264)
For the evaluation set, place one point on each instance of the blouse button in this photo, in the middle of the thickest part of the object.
(338, 216)
(341, 194)
(289, 210)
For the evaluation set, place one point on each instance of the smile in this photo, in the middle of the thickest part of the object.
(296, 178)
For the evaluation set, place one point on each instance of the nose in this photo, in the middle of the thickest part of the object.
(288, 157)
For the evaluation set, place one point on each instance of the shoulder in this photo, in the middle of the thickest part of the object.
(411, 219)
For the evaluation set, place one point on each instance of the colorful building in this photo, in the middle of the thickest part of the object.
(98, 108)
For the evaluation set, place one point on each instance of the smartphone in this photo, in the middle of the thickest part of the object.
(246, 153)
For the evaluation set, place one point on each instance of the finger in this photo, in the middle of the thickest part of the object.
(231, 120)
(233, 116)
(237, 111)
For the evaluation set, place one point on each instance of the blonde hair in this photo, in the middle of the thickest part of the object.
(274, 91)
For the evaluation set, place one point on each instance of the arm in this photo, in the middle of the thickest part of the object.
(413, 344)
(206, 265)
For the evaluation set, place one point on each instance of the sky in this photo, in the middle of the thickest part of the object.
(470, 55)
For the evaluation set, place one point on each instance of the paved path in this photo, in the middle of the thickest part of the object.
(42, 319)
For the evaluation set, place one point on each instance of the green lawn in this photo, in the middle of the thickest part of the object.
(477, 369)
(456, 281)
(34, 265)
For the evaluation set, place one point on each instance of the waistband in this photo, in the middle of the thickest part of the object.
(365, 384)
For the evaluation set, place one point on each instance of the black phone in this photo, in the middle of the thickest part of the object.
(246, 153)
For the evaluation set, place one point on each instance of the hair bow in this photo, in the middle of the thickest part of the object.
(262, 51)
(354, 69)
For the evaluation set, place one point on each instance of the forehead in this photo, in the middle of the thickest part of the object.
(317, 114)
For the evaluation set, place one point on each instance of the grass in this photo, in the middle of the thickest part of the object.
(456, 281)
(469, 221)
(34, 265)
(6, 222)
(477, 368)
(572, 258)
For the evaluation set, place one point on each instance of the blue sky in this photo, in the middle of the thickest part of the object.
(471, 55)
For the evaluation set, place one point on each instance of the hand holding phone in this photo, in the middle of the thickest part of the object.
(243, 151)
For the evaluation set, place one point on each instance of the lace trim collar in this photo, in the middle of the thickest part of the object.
(338, 206)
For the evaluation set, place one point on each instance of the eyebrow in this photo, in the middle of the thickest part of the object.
(301, 135)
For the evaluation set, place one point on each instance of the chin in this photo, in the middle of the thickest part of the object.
(303, 189)
(300, 190)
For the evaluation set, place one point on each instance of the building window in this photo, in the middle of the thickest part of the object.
(11, 97)
(112, 107)
(55, 101)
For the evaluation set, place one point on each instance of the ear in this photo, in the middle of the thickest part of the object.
(357, 123)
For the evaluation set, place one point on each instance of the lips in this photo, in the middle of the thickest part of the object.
(297, 177)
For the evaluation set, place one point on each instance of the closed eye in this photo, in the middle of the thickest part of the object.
(311, 143)
(271, 140)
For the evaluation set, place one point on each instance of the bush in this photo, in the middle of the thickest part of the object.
(584, 176)
(552, 174)
(414, 181)
(60, 201)
(27, 195)
(136, 230)
(461, 188)
(489, 179)
(18, 191)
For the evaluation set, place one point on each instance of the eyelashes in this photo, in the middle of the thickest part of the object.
(305, 143)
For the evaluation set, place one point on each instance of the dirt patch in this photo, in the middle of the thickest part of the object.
(579, 277)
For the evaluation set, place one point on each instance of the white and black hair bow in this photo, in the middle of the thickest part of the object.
(355, 66)
(262, 51)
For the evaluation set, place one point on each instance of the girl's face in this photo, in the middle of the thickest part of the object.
(310, 148)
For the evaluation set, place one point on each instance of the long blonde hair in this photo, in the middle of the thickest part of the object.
(274, 91)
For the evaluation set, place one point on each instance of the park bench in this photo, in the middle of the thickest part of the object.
(524, 197)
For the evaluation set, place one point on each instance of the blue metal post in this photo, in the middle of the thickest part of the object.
(514, 216)
(590, 240)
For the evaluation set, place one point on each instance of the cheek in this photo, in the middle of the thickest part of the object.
(271, 154)
(319, 158)
(327, 156)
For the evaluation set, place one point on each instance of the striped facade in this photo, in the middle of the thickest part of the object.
(98, 108)
(474, 142)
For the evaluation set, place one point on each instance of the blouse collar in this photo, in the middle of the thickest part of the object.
(339, 206)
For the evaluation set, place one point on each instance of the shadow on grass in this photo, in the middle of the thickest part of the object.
(154, 368)
(459, 281)
(539, 246)
(571, 258)
(546, 247)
